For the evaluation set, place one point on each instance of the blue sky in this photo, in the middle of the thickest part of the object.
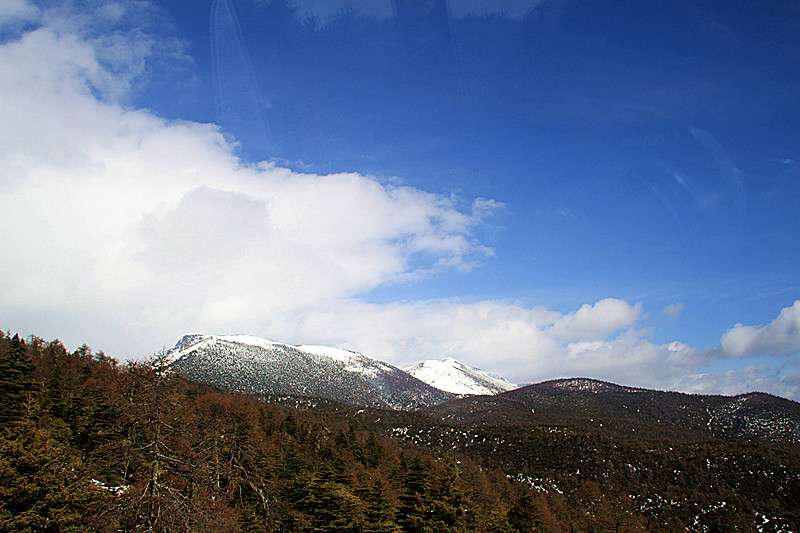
(539, 188)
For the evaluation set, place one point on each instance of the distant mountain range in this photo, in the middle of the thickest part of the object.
(264, 368)
(684, 462)
(449, 390)
(601, 406)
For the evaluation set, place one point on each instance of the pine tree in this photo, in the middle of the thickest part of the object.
(43, 486)
(17, 384)
(372, 450)
(450, 503)
(415, 509)
(378, 514)
(330, 504)
(523, 515)
(498, 523)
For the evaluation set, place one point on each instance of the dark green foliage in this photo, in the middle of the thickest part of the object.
(378, 515)
(415, 502)
(523, 516)
(450, 505)
(44, 485)
(16, 380)
(330, 504)
(434, 501)
(168, 455)
(498, 523)
(372, 450)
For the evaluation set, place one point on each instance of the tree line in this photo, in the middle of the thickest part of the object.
(89, 444)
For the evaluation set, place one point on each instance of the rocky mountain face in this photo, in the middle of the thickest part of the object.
(265, 368)
(452, 376)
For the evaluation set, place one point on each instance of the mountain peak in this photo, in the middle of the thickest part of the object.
(586, 385)
(451, 375)
(249, 364)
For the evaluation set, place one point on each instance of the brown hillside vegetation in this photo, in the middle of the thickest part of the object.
(88, 444)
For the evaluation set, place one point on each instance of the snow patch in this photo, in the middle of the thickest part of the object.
(249, 340)
(334, 353)
(452, 376)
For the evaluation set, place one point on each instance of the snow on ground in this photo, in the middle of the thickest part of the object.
(451, 376)
(249, 340)
(352, 361)
(447, 375)
(334, 353)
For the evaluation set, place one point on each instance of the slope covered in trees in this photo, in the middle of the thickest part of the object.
(88, 444)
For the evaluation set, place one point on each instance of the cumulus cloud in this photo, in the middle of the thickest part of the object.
(14, 11)
(782, 381)
(529, 344)
(596, 321)
(523, 344)
(128, 230)
(116, 212)
(779, 337)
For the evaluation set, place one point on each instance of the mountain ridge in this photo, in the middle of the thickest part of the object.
(266, 368)
(451, 375)
(261, 367)
(751, 417)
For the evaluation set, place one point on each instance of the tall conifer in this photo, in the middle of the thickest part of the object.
(16, 381)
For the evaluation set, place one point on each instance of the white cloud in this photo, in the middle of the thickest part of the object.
(761, 378)
(127, 230)
(596, 321)
(779, 337)
(673, 310)
(528, 344)
(520, 343)
(131, 220)
(14, 11)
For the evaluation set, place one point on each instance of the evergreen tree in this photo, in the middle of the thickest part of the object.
(372, 450)
(523, 515)
(330, 505)
(498, 523)
(43, 486)
(17, 384)
(378, 515)
(449, 503)
(415, 509)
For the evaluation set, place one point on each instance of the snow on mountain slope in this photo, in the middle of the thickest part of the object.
(451, 376)
(353, 361)
(190, 343)
(259, 366)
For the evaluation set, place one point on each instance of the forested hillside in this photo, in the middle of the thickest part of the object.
(89, 444)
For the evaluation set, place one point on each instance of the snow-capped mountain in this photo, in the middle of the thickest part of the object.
(259, 366)
(451, 376)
